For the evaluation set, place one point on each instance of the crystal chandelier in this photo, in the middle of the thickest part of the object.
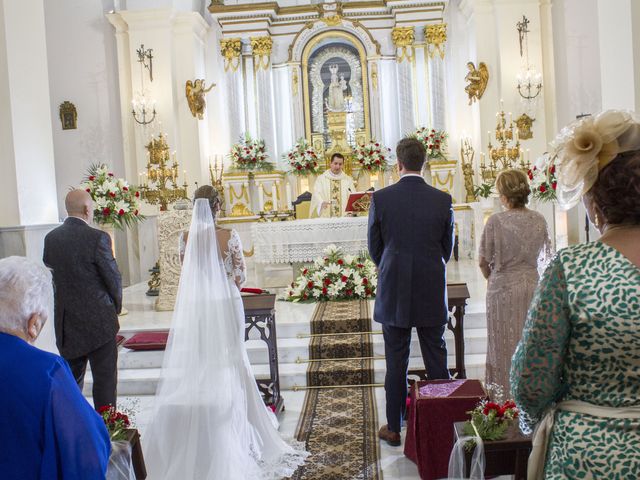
(143, 108)
(529, 79)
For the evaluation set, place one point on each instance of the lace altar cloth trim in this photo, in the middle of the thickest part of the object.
(306, 240)
(440, 389)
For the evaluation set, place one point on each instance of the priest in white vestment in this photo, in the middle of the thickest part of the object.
(331, 190)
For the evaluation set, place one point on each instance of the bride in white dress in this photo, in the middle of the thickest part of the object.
(209, 420)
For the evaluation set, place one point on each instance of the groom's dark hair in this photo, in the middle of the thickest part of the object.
(411, 153)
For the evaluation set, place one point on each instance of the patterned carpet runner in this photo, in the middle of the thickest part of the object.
(339, 425)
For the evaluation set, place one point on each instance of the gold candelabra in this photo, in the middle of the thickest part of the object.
(215, 176)
(160, 181)
(506, 153)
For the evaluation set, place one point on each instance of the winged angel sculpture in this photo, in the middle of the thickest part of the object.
(195, 96)
(477, 79)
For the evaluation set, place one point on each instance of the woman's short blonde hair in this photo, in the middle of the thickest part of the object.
(514, 185)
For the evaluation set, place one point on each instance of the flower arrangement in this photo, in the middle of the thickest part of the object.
(250, 154)
(335, 276)
(490, 420)
(434, 142)
(303, 159)
(484, 190)
(116, 422)
(115, 201)
(373, 156)
(542, 179)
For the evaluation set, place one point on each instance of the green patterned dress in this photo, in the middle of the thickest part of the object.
(581, 341)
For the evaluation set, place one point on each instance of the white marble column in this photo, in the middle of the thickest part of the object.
(290, 122)
(28, 183)
(261, 49)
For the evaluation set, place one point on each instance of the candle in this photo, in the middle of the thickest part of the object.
(501, 104)
(510, 119)
(482, 158)
(489, 137)
(528, 155)
(288, 191)
(184, 174)
(260, 197)
(516, 135)
(521, 155)
(274, 197)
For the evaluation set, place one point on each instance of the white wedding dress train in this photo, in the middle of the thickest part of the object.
(209, 420)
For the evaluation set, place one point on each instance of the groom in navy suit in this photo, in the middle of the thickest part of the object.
(410, 240)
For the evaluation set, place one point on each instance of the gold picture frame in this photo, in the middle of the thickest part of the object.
(68, 116)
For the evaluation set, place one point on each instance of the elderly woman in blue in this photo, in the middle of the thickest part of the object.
(48, 430)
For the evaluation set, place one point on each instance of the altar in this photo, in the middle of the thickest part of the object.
(305, 240)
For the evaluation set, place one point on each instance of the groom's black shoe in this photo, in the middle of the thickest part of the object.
(392, 438)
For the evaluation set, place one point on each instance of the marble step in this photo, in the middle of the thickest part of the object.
(143, 381)
(291, 319)
(291, 350)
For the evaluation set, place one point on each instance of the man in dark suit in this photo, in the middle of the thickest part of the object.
(410, 240)
(88, 297)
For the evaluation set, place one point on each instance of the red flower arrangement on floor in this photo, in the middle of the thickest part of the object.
(116, 422)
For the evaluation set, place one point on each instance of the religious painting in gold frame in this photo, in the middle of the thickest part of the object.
(335, 62)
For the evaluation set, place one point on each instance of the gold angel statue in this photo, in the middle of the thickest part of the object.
(477, 79)
(195, 96)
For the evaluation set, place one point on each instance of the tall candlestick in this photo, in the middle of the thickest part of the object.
(274, 197)
(288, 191)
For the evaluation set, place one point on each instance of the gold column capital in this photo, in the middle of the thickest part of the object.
(436, 37)
(403, 39)
(261, 48)
(231, 48)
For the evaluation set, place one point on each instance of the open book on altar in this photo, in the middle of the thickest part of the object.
(358, 202)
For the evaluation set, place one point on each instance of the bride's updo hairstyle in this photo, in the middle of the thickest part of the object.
(211, 195)
(514, 185)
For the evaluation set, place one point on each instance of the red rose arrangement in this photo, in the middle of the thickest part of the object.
(542, 179)
(250, 154)
(116, 422)
(302, 159)
(373, 156)
(335, 276)
(115, 201)
(434, 142)
(490, 420)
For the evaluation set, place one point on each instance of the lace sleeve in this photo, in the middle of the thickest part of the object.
(237, 259)
(536, 370)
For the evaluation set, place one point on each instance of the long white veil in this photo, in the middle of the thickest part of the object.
(209, 420)
(200, 427)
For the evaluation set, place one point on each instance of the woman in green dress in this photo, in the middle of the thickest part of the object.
(576, 372)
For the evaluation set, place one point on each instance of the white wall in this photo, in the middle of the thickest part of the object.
(83, 70)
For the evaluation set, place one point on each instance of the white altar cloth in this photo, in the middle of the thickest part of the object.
(305, 240)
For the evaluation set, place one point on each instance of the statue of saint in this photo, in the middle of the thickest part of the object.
(338, 85)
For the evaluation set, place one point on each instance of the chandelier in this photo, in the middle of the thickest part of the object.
(529, 79)
(143, 108)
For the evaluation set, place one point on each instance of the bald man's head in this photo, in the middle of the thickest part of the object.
(79, 204)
